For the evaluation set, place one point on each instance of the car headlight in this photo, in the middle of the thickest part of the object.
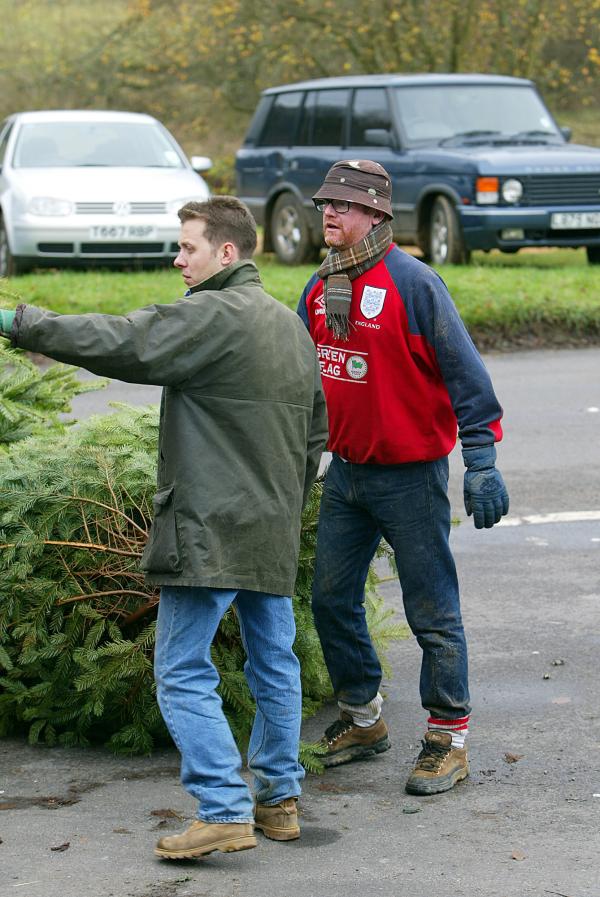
(512, 190)
(49, 206)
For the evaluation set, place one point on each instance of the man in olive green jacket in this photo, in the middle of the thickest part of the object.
(242, 427)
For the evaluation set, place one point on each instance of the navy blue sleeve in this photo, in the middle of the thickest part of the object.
(302, 309)
(433, 316)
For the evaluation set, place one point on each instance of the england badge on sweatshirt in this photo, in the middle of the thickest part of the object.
(371, 302)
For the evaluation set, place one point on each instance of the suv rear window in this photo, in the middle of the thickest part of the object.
(280, 127)
(324, 118)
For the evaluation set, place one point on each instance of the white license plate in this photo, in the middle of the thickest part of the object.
(123, 232)
(575, 220)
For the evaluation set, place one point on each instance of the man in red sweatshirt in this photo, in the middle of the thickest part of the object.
(401, 377)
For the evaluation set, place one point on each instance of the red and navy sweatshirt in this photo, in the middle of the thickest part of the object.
(409, 375)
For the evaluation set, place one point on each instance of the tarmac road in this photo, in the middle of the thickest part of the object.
(526, 822)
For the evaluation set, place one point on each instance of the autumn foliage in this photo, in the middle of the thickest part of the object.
(200, 68)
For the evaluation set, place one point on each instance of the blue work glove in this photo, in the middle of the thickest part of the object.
(6, 321)
(485, 494)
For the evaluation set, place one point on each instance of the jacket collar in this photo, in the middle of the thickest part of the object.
(244, 271)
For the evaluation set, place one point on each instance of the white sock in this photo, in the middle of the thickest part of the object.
(457, 728)
(364, 715)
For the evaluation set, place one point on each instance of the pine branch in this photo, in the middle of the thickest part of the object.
(85, 597)
(90, 546)
(75, 615)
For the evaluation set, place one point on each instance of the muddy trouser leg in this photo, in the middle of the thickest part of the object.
(414, 517)
(347, 539)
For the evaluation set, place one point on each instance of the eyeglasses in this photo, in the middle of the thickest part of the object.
(341, 206)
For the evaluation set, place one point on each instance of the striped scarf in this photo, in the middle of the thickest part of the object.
(339, 268)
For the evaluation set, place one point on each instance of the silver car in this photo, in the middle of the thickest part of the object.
(79, 187)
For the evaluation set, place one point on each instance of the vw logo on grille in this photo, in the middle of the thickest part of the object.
(121, 208)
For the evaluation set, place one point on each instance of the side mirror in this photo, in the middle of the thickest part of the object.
(378, 137)
(567, 133)
(201, 163)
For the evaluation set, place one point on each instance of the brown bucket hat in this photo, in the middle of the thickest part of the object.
(360, 181)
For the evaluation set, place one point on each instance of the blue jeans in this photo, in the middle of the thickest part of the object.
(408, 505)
(186, 680)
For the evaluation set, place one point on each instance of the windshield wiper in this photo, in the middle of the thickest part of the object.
(532, 136)
(468, 134)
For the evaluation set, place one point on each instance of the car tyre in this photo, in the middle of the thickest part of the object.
(290, 233)
(593, 254)
(9, 265)
(446, 244)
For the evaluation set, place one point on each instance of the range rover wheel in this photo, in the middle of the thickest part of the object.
(290, 233)
(593, 254)
(446, 244)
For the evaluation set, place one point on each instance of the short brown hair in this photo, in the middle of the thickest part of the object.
(226, 220)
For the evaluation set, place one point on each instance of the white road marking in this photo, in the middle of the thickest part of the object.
(537, 541)
(559, 517)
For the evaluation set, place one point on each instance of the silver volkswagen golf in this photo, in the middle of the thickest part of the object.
(78, 187)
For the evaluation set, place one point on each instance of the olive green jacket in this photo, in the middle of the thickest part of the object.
(242, 423)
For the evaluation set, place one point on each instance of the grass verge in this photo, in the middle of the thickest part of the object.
(532, 299)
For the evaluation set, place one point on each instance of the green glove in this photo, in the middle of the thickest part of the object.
(6, 321)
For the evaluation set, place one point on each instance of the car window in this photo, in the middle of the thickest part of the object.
(330, 117)
(258, 120)
(280, 127)
(323, 118)
(63, 144)
(307, 120)
(443, 111)
(370, 109)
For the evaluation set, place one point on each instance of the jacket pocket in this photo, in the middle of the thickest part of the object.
(162, 553)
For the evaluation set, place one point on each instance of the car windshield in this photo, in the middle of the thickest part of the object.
(459, 114)
(67, 144)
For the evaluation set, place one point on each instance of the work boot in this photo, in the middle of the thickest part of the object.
(439, 766)
(278, 821)
(204, 837)
(346, 741)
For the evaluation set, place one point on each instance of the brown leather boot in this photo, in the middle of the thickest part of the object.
(439, 766)
(346, 741)
(278, 821)
(204, 837)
